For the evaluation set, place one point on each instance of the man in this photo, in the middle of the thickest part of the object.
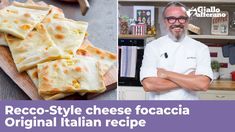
(175, 66)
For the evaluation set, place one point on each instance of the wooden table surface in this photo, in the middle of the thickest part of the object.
(102, 31)
(222, 85)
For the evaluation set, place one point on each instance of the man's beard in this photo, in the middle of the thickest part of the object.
(176, 37)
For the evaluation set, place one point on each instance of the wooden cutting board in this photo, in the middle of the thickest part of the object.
(26, 84)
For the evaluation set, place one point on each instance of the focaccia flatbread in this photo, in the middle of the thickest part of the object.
(5, 3)
(33, 74)
(70, 75)
(36, 48)
(107, 59)
(19, 19)
(66, 33)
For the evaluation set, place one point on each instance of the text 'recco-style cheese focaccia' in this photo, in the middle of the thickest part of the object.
(36, 48)
(19, 19)
(70, 75)
(107, 59)
(66, 33)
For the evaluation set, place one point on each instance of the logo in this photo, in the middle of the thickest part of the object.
(203, 11)
(191, 57)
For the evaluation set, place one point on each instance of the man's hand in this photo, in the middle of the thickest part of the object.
(162, 73)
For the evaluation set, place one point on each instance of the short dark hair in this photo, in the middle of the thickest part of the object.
(174, 3)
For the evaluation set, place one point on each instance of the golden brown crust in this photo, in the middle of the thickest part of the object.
(59, 28)
(31, 6)
(78, 69)
(35, 74)
(82, 52)
(59, 36)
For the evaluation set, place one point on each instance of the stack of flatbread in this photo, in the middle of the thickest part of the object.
(50, 48)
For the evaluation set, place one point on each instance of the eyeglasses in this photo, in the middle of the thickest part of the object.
(181, 19)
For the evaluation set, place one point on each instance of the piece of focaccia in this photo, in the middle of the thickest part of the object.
(5, 3)
(70, 75)
(66, 33)
(36, 48)
(33, 74)
(19, 19)
(107, 59)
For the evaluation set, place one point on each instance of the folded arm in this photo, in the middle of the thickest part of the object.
(189, 82)
(157, 84)
(168, 80)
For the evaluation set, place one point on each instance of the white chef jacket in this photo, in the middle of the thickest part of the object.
(182, 57)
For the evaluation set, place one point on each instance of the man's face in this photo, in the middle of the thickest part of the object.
(176, 22)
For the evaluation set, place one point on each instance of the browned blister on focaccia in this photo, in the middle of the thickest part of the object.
(69, 76)
(19, 19)
(107, 59)
(36, 48)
